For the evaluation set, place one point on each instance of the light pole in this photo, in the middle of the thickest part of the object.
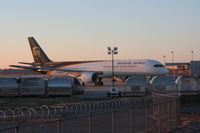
(164, 59)
(172, 59)
(192, 54)
(112, 51)
(172, 62)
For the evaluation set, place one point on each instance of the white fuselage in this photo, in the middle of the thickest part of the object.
(121, 68)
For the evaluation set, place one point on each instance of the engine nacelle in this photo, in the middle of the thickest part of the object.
(89, 77)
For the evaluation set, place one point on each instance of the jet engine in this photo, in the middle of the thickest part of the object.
(89, 77)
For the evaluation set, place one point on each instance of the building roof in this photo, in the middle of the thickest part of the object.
(177, 64)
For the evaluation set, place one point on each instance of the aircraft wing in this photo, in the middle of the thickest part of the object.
(53, 69)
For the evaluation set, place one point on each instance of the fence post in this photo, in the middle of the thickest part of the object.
(159, 124)
(58, 126)
(168, 116)
(43, 128)
(17, 129)
(113, 122)
(90, 123)
(175, 113)
(178, 111)
(132, 120)
(146, 120)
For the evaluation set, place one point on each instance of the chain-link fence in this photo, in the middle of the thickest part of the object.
(156, 113)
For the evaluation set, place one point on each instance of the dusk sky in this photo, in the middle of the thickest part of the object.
(83, 29)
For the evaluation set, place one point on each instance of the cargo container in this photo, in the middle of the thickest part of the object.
(9, 87)
(59, 86)
(136, 86)
(163, 84)
(32, 86)
(187, 85)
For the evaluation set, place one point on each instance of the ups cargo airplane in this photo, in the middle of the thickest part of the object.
(91, 71)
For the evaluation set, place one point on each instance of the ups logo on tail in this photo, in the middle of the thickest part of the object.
(36, 51)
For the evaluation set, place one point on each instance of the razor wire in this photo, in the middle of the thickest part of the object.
(69, 110)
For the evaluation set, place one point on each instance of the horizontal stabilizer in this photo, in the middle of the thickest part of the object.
(26, 63)
(27, 67)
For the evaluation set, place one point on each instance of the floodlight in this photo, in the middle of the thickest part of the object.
(115, 52)
(109, 52)
(109, 48)
(115, 48)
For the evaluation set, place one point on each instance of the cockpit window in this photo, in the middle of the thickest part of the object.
(158, 65)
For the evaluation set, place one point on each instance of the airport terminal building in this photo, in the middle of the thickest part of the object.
(184, 68)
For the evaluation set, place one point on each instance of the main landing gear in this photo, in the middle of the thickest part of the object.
(99, 82)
